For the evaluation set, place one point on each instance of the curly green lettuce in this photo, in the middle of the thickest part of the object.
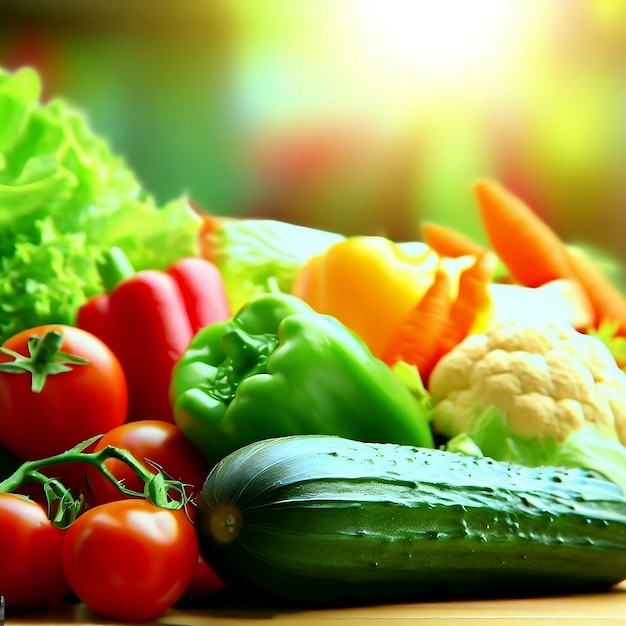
(65, 197)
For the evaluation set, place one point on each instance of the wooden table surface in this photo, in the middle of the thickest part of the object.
(606, 609)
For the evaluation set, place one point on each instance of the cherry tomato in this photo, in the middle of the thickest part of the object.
(86, 400)
(130, 560)
(149, 441)
(31, 574)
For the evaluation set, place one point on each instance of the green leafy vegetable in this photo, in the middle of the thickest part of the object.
(607, 332)
(259, 256)
(64, 199)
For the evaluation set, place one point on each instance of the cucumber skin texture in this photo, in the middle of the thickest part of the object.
(331, 521)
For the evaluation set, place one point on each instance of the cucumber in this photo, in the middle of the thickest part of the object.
(325, 520)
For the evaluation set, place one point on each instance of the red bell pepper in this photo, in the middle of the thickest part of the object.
(148, 318)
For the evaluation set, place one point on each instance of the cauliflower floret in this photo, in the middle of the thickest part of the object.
(546, 380)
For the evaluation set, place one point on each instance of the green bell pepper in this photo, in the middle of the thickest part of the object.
(279, 368)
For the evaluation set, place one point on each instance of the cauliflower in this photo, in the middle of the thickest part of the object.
(537, 393)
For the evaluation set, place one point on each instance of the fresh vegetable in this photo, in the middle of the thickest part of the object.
(473, 309)
(447, 241)
(322, 519)
(64, 198)
(304, 517)
(416, 341)
(561, 301)
(149, 318)
(70, 475)
(370, 284)
(64, 506)
(536, 394)
(607, 301)
(127, 559)
(130, 560)
(31, 575)
(157, 444)
(538, 255)
(400, 300)
(530, 249)
(59, 385)
(257, 255)
(279, 368)
(607, 333)
(438, 322)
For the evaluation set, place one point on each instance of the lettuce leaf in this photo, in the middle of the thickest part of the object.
(262, 255)
(65, 197)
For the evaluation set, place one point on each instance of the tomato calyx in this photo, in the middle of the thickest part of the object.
(44, 359)
(63, 507)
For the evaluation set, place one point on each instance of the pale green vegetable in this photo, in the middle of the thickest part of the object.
(259, 255)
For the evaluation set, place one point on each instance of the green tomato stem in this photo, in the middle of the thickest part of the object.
(44, 359)
(158, 487)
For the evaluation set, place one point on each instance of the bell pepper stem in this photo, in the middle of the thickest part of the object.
(247, 351)
(114, 267)
(246, 355)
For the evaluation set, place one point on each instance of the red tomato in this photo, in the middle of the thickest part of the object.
(130, 560)
(31, 574)
(149, 441)
(72, 406)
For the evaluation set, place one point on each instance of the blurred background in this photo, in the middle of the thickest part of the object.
(359, 116)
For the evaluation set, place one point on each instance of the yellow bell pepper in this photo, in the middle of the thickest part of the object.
(369, 283)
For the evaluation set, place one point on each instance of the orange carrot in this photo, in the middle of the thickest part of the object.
(416, 341)
(530, 249)
(607, 302)
(209, 225)
(535, 255)
(449, 242)
(472, 300)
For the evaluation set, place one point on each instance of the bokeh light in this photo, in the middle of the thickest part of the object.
(362, 116)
